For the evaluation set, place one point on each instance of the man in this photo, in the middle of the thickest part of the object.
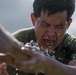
(51, 19)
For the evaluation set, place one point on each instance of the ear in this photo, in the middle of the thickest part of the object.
(69, 23)
(33, 18)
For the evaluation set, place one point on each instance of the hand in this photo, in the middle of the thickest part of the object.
(7, 59)
(3, 69)
(28, 61)
(11, 46)
(72, 62)
(37, 61)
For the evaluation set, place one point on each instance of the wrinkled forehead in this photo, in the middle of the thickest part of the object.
(59, 17)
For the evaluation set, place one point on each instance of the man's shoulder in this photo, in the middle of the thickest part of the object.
(25, 35)
(23, 31)
(70, 36)
(69, 39)
(67, 49)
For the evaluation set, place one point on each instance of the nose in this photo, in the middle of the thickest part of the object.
(51, 32)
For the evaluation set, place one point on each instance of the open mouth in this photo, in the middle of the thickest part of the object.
(49, 43)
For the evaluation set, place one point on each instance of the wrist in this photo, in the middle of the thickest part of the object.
(54, 67)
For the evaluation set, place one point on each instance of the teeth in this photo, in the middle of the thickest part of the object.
(46, 37)
(49, 44)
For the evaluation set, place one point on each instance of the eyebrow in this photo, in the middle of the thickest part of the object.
(61, 24)
(55, 24)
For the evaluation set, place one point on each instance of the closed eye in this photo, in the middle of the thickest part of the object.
(60, 26)
(45, 24)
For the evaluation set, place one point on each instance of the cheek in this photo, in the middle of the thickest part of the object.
(39, 32)
(61, 34)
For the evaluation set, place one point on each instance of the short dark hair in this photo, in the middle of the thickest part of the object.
(53, 6)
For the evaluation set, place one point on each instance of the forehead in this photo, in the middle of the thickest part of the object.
(59, 16)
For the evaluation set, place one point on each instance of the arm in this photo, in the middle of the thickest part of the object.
(60, 69)
(10, 45)
(37, 61)
(42, 63)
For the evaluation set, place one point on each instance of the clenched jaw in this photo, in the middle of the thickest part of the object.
(49, 42)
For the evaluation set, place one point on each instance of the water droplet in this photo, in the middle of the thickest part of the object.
(68, 60)
(22, 48)
(74, 57)
(50, 47)
(64, 51)
(33, 49)
(53, 56)
(59, 58)
(16, 68)
(71, 44)
(35, 45)
(68, 42)
(53, 52)
(58, 33)
(16, 73)
(2, 54)
(62, 59)
(46, 37)
(27, 45)
(26, 36)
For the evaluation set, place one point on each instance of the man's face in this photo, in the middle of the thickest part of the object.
(50, 29)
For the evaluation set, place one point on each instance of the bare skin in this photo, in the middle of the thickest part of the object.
(2, 69)
(72, 62)
(27, 59)
(50, 30)
(10, 45)
(33, 65)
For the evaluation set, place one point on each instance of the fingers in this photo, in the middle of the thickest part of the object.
(28, 51)
(3, 65)
(6, 58)
(26, 66)
(3, 69)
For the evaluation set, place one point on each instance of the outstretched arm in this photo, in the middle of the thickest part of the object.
(30, 59)
(43, 63)
(10, 45)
